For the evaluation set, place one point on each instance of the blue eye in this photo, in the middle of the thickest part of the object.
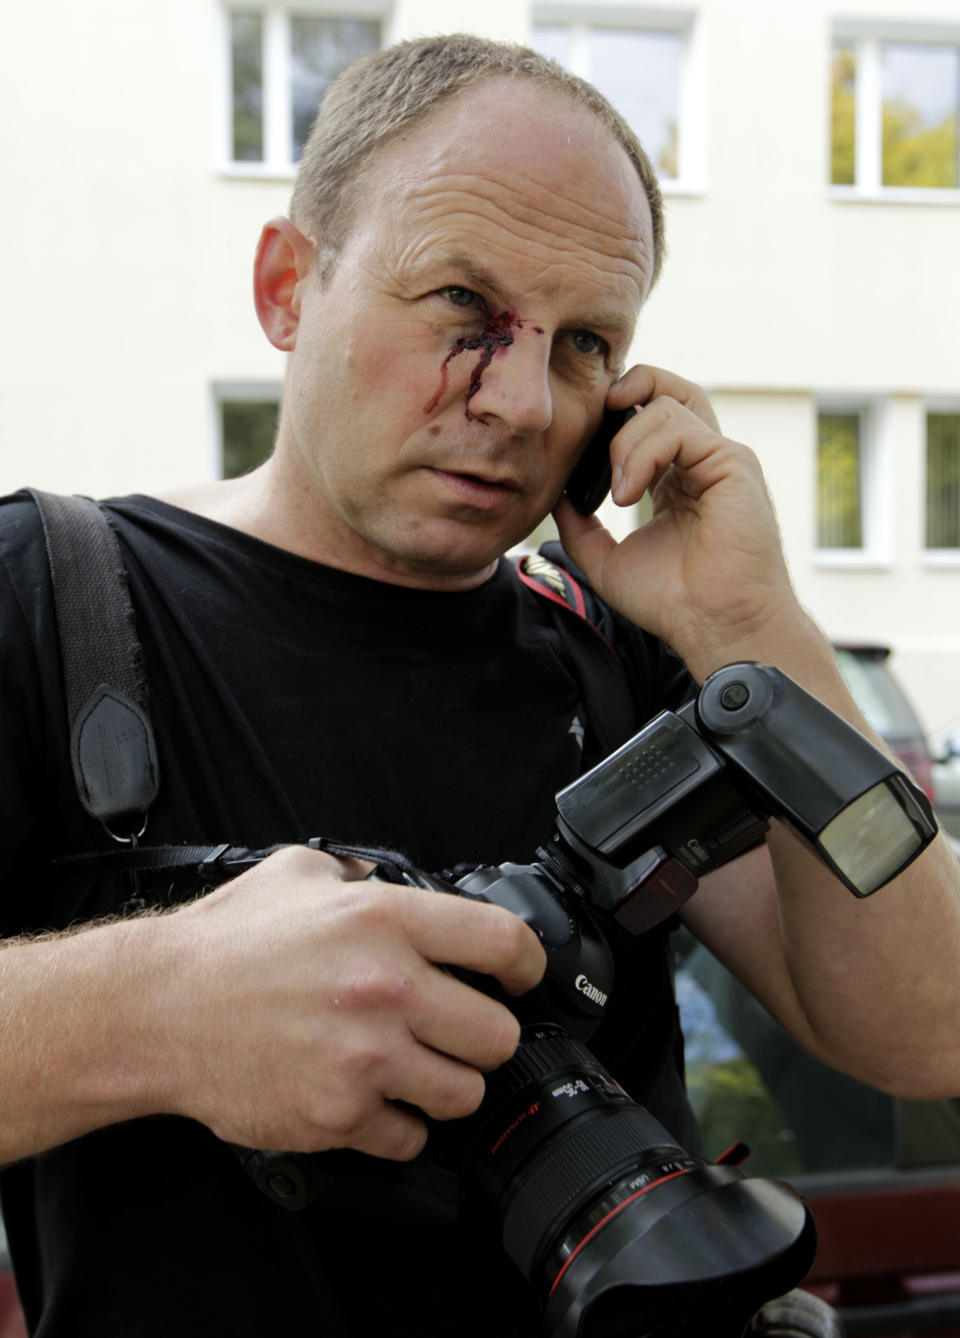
(584, 341)
(460, 297)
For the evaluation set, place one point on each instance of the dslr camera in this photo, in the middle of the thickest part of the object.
(619, 1230)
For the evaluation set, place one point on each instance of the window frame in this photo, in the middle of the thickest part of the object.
(277, 163)
(867, 38)
(877, 460)
(691, 178)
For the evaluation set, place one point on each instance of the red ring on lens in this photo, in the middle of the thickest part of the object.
(610, 1215)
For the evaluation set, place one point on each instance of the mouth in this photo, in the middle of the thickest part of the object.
(485, 491)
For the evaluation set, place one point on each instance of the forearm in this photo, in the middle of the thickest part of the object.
(297, 1007)
(81, 1042)
(877, 980)
(870, 987)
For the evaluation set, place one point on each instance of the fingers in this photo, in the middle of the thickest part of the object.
(585, 538)
(474, 935)
(665, 435)
(393, 1133)
(643, 384)
(328, 1006)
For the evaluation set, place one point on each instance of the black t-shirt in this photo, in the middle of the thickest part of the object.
(292, 700)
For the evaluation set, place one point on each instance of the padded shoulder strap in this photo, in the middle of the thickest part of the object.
(575, 609)
(112, 746)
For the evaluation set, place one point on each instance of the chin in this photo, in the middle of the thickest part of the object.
(460, 566)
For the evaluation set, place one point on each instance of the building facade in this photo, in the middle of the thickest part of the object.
(809, 160)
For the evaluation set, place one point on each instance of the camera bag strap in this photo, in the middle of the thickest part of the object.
(112, 746)
(604, 680)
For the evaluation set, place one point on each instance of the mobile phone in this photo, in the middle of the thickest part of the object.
(589, 482)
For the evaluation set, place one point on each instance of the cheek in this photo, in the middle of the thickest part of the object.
(568, 437)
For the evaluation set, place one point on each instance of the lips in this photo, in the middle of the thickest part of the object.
(485, 491)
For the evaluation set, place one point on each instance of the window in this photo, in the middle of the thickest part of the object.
(943, 481)
(643, 70)
(895, 110)
(248, 424)
(839, 481)
(748, 1080)
(280, 66)
(854, 486)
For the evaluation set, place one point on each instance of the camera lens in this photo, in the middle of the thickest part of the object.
(618, 1228)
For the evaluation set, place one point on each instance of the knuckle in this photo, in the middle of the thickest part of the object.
(293, 860)
(404, 1143)
(508, 933)
(464, 1097)
(504, 1039)
(368, 1060)
(340, 1118)
(379, 986)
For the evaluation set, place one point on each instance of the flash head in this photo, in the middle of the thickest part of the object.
(801, 762)
(696, 787)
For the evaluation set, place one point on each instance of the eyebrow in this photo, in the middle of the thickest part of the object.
(471, 271)
(478, 274)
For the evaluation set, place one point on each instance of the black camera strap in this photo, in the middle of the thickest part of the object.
(112, 747)
(217, 862)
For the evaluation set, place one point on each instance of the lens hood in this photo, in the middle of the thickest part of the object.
(699, 1252)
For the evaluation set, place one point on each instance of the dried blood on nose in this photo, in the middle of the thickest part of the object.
(495, 334)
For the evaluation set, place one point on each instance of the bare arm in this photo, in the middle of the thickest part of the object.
(871, 987)
(293, 1008)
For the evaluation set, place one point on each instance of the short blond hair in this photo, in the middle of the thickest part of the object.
(389, 91)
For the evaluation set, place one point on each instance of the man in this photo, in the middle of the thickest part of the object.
(334, 647)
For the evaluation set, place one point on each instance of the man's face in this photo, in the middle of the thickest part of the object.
(446, 374)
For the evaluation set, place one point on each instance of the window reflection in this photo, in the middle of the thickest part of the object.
(839, 481)
(637, 69)
(640, 73)
(320, 49)
(943, 480)
(246, 37)
(921, 107)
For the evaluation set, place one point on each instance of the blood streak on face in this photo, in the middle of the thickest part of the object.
(495, 334)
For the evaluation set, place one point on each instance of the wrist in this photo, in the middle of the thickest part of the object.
(103, 1054)
(787, 638)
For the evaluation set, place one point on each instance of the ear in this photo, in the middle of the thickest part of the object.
(284, 259)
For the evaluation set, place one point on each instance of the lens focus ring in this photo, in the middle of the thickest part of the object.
(547, 1051)
(568, 1174)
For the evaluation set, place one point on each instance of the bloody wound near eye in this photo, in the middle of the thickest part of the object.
(495, 334)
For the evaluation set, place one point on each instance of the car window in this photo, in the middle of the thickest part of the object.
(878, 695)
(747, 1080)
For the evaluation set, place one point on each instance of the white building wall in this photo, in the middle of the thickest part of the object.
(125, 251)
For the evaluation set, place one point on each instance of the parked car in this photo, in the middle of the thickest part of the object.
(866, 670)
(945, 748)
(11, 1316)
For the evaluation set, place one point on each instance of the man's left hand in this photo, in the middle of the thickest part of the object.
(706, 574)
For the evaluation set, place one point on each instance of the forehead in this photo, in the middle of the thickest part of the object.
(519, 179)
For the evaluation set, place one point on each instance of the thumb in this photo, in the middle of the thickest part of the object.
(585, 539)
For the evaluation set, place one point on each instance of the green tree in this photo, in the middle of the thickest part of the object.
(843, 117)
(839, 509)
(915, 153)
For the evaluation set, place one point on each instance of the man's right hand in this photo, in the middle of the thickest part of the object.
(297, 1007)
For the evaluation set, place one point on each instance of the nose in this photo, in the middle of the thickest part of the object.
(515, 387)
